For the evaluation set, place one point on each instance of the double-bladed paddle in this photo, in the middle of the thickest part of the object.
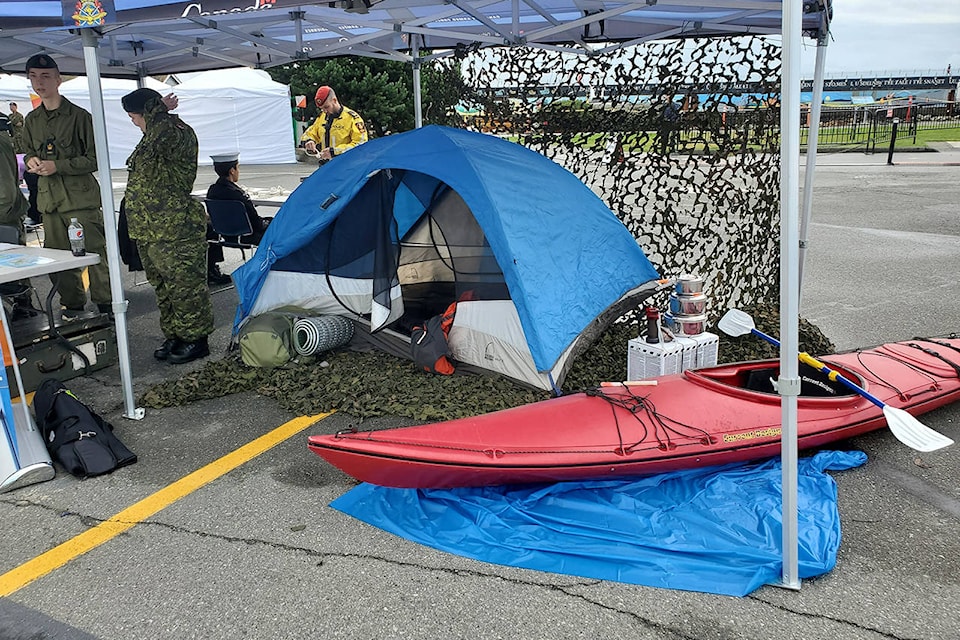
(904, 426)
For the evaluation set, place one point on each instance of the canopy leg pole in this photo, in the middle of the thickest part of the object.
(119, 304)
(813, 133)
(788, 384)
(417, 99)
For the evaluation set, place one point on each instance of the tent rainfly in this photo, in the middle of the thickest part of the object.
(394, 231)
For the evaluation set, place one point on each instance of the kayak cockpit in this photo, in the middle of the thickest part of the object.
(760, 377)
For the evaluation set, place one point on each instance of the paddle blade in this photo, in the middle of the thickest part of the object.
(912, 432)
(736, 323)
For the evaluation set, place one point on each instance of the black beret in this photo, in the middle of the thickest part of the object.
(136, 101)
(5, 123)
(41, 61)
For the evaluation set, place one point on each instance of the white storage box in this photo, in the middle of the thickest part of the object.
(708, 346)
(646, 360)
(689, 348)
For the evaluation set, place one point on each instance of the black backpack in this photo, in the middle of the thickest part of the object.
(75, 435)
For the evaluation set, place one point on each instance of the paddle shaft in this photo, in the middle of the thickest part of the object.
(806, 358)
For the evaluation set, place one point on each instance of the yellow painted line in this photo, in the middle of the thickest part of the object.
(21, 576)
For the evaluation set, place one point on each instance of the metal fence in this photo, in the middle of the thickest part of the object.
(865, 127)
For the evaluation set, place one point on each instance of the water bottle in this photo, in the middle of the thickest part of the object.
(75, 233)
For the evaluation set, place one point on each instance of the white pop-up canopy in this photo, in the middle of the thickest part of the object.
(123, 135)
(15, 89)
(230, 110)
(239, 109)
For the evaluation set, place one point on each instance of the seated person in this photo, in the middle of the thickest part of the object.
(226, 188)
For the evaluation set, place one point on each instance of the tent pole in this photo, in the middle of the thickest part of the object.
(109, 222)
(813, 132)
(417, 100)
(788, 384)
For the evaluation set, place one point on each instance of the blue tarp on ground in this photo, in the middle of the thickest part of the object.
(716, 530)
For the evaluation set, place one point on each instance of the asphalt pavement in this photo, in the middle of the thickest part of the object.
(197, 545)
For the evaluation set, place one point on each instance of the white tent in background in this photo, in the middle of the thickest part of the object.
(239, 109)
(15, 89)
(122, 135)
(230, 110)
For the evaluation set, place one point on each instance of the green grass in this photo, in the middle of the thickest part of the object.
(687, 143)
(904, 140)
(935, 135)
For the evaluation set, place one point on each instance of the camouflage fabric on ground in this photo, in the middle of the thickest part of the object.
(375, 384)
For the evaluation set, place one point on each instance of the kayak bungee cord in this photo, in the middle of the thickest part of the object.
(933, 376)
(634, 406)
(878, 380)
(942, 344)
(935, 354)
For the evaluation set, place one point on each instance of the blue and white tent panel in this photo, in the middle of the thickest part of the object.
(460, 215)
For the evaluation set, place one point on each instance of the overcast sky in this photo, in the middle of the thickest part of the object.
(891, 35)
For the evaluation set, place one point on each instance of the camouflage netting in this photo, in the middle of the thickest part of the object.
(376, 384)
(698, 187)
(700, 191)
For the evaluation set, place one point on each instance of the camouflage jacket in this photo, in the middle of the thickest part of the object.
(64, 135)
(16, 120)
(163, 169)
(13, 206)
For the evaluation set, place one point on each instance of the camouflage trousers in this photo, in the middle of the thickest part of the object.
(178, 273)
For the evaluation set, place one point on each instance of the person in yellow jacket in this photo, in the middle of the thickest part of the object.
(336, 130)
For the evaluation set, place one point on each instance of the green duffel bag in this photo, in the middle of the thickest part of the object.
(267, 340)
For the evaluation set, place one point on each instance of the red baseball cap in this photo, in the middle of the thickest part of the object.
(322, 94)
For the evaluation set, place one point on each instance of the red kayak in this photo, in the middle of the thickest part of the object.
(701, 417)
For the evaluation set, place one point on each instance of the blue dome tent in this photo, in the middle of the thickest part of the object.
(395, 230)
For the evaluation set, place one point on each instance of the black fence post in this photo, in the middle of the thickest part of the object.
(893, 140)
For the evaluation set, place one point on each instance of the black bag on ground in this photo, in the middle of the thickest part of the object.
(75, 435)
(429, 349)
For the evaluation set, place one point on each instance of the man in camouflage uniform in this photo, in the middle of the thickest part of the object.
(59, 148)
(13, 207)
(169, 226)
(16, 121)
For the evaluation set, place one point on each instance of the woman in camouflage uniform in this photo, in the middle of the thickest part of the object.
(169, 226)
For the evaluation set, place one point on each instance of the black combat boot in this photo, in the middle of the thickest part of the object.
(163, 351)
(214, 276)
(189, 351)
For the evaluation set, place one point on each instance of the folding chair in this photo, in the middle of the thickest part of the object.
(229, 219)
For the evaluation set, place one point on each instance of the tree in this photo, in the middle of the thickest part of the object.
(381, 91)
(443, 88)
